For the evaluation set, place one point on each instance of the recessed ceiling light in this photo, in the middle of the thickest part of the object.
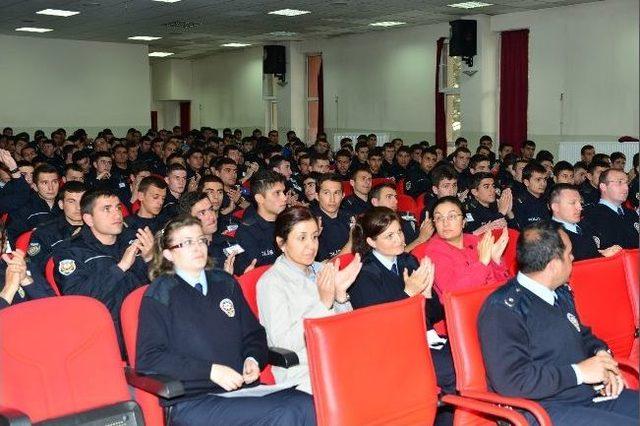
(470, 4)
(167, 1)
(34, 29)
(289, 12)
(386, 24)
(144, 38)
(235, 44)
(282, 33)
(160, 54)
(57, 12)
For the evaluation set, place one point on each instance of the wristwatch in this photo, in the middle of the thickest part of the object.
(16, 170)
(344, 301)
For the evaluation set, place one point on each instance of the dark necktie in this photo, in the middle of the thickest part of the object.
(394, 269)
(578, 230)
(199, 287)
(620, 211)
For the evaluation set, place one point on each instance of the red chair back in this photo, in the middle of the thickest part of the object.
(59, 356)
(347, 189)
(420, 205)
(599, 285)
(345, 259)
(49, 274)
(129, 314)
(238, 214)
(632, 271)
(124, 210)
(135, 206)
(248, 283)
(408, 204)
(386, 349)
(509, 255)
(23, 240)
(400, 187)
(379, 181)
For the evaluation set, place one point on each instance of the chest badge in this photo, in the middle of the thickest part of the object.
(635, 225)
(574, 321)
(596, 240)
(34, 248)
(226, 305)
(67, 267)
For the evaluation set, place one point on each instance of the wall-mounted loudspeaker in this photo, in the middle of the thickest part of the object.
(274, 60)
(462, 38)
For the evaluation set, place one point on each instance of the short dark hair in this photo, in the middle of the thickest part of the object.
(538, 244)
(369, 225)
(442, 172)
(459, 140)
(617, 155)
(88, 200)
(403, 148)
(149, 181)
(362, 144)
(376, 190)
(461, 149)
(73, 167)
(360, 169)
(585, 148)
(476, 178)
(327, 177)
(187, 200)
(176, 167)
(208, 179)
(376, 152)
(448, 199)
(477, 158)
(580, 165)
(544, 155)
(99, 154)
(597, 163)
(230, 147)
(277, 160)
(44, 168)
(315, 157)
(503, 146)
(264, 180)
(71, 187)
(531, 168)
(529, 143)
(562, 166)
(342, 153)
(485, 138)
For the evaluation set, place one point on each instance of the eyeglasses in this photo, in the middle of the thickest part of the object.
(203, 241)
(448, 218)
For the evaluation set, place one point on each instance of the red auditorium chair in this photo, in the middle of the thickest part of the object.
(600, 290)
(23, 240)
(49, 274)
(509, 255)
(400, 187)
(420, 205)
(461, 310)
(147, 388)
(384, 374)
(124, 210)
(60, 364)
(379, 181)
(277, 356)
(238, 214)
(347, 189)
(408, 204)
(135, 206)
(345, 259)
(633, 286)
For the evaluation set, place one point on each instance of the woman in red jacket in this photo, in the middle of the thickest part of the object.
(461, 260)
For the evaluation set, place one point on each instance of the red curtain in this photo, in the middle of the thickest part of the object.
(320, 101)
(514, 87)
(441, 122)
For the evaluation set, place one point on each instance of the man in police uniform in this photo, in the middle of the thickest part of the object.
(255, 235)
(419, 180)
(445, 183)
(98, 262)
(385, 195)
(566, 206)
(151, 194)
(590, 189)
(535, 347)
(531, 206)
(335, 223)
(483, 212)
(358, 202)
(611, 221)
(49, 234)
(41, 206)
(176, 180)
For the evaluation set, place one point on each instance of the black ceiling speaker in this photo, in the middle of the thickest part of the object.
(462, 38)
(274, 60)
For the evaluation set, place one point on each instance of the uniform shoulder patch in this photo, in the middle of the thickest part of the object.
(34, 249)
(67, 267)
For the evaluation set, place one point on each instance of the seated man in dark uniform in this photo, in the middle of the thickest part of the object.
(177, 183)
(535, 347)
(358, 202)
(444, 183)
(335, 223)
(419, 179)
(41, 206)
(566, 206)
(589, 189)
(98, 262)
(343, 165)
(255, 234)
(611, 221)
(531, 205)
(151, 194)
(484, 210)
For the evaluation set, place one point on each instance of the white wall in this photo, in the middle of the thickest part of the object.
(48, 83)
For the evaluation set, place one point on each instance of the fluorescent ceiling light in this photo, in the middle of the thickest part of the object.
(57, 12)
(34, 29)
(283, 33)
(167, 1)
(470, 4)
(289, 12)
(144, 38)
(235, 44)
(386, 24)
(160, 54)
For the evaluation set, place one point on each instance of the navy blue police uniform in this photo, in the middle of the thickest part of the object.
(335, 232)
(528, 209)
(33, 213)
(355, 205)
(256, 236)
(614, 227)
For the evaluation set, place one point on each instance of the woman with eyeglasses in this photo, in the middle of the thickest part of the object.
(462, 260)
(297, 287)
(389, 274)
(196, 326)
